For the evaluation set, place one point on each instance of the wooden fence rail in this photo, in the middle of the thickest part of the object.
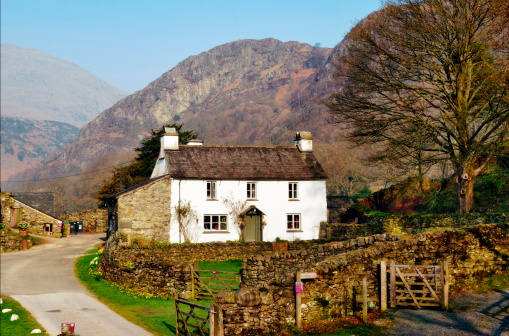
(205, 284)
(192, 322)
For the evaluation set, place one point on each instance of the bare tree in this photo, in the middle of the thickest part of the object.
(188, 221)
(429, 81)
(235, 208)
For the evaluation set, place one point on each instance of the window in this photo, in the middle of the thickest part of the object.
(292, 190)
(251, 190)
(293, 221)
(211, 190)
(215, 222)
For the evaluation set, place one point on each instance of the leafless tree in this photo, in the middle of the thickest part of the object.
(428, 80)
(188, 221)
(235, 208)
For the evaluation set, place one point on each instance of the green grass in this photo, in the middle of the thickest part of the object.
(23, 326)
(153, 314)
(495, 282)
(228, 266)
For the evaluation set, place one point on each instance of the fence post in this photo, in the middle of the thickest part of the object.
(383, 285)
(176, 317)
(298, 309)
(192, 282)
(212, 320)
(444, 275)
(393, 284)
(365, 299)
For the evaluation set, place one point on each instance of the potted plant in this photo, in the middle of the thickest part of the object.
(280, 245)
(23, 227)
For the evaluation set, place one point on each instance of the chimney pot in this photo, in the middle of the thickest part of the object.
(304, 141)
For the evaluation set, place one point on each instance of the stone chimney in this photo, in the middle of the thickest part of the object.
(195, 142)
(170, 139)
(304, 141)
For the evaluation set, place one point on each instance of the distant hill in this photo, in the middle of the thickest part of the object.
(39, 86)
(26, 142)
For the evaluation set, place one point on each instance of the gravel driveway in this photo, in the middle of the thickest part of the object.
(470, 314)
(42, 279)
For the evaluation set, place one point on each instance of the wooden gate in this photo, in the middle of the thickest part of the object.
(192, 319)
(207, 283)
(419, 286)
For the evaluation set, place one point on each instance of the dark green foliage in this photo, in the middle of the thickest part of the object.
(491, 193)
(362, 193)
(150, 146)
(141, 169)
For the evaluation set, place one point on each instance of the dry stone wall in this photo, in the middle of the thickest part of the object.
(472, 254)
(94, 221)
(11, 243)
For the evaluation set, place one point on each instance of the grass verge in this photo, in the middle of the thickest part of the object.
(22, 326)
(157, 315)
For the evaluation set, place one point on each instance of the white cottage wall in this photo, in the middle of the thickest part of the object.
(272, 200)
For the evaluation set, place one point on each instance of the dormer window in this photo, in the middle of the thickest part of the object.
(211, 190)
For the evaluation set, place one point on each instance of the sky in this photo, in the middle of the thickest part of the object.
(131, 43)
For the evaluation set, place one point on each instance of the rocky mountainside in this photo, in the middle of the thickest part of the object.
(244, 92)
(26, 142)
(39, 86)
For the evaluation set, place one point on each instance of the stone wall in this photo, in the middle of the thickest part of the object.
(10, 242)
(472, 254)
(408, 224)
(417, 223)
(165, 268)
(340, 230)
(145, 211)
(94, 221)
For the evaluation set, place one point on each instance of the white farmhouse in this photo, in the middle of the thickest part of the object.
(257, 193)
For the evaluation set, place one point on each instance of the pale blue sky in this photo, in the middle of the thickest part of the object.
(131, 43)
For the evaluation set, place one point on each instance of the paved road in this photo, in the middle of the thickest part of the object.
(42, 280)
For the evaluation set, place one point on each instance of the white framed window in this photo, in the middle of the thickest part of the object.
(215, 223)
(293, 222)
(211, 190)
(251, 190)
(293, 192)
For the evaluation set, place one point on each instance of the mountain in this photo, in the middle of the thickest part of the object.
(26, 142)
(243, 92)
(39, 86)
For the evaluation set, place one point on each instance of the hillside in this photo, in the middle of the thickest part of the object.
(26, 142)
(244, 92)
(39, 86)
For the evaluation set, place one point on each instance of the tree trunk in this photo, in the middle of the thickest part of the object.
(465, 187)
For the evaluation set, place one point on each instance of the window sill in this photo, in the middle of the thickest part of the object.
(215, 231)
(252, 199)
(212, 199)
(294, 199)
(294, 230)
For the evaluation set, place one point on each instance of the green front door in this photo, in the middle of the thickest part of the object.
(252, 231)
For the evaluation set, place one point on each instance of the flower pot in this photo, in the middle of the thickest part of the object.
(280, 246)
(23, 233)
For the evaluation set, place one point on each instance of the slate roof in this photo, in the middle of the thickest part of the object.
(42, 201)
(139, 185)
(243, 163)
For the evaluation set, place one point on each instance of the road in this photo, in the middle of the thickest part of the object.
(42, 279)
